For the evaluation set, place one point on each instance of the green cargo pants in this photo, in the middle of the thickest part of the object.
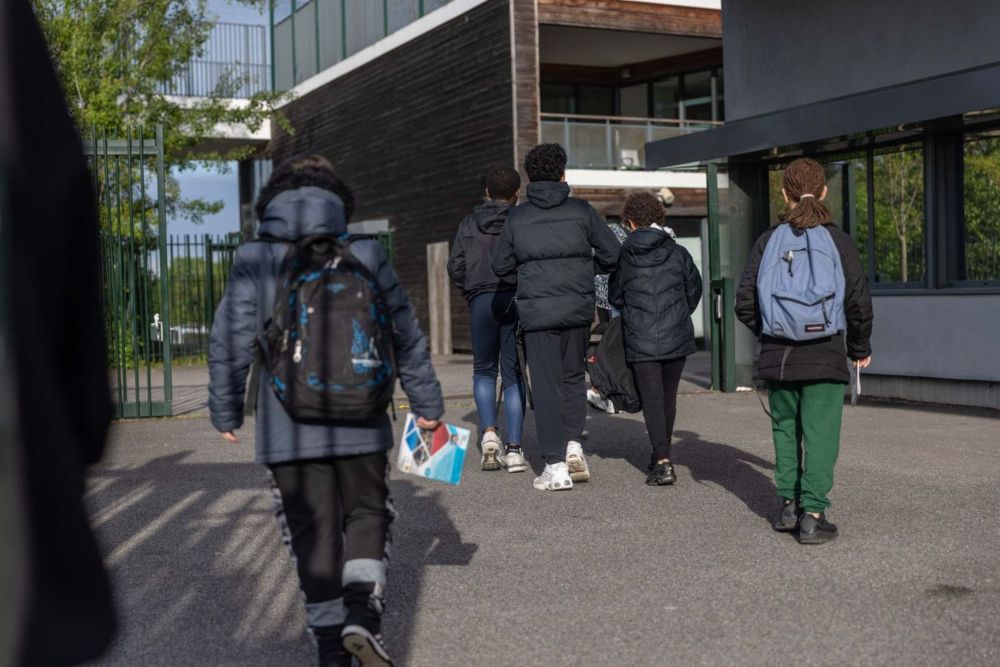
(805, 422)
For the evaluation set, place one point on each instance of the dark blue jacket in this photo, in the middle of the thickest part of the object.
(247, 306)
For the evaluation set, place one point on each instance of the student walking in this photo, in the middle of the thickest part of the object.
(805, 294)
(493, 316)
(329, 478)
(554, 242)
(657, 287)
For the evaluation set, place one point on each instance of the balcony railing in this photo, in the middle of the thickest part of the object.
(611, 142)
(234, 64)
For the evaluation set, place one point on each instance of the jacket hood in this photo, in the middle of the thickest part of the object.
(648, 247)
(490, 216)
(547, 194)
(308, 211)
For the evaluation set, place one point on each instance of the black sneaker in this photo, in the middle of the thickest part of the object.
(366, 646)
(330, 646)
(661, 474)
(815, 531)
(788, 519)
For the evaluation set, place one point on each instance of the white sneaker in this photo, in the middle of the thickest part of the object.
(596, 401)
(491, 451)
(555, 477)
(513, 461)
(579, 471)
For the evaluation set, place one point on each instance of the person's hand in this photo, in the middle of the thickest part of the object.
(229, 436)
(863, 363)
(427, 424)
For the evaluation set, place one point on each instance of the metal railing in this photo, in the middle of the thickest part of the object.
(234, 65)
(611, 142)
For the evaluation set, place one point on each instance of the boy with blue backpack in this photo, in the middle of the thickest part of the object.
(804, 293)
(332, 329)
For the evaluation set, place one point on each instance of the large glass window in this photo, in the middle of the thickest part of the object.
(898, 177)
(558, 98)
(666, 98)
(981, 200)
(365, 24)
(698, 96)
(402, 12)
(596, 100)
(634, 101)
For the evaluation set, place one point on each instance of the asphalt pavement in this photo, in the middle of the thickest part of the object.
(492, 572)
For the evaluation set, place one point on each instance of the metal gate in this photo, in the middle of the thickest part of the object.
(129, 179)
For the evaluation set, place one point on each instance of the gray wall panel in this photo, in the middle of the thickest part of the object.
(786, 53)
(945, 336)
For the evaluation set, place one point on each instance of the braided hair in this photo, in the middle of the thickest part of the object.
(803, 181)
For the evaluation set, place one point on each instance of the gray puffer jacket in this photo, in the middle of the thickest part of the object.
(247, 306)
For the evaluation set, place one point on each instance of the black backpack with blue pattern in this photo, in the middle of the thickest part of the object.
(328, 345)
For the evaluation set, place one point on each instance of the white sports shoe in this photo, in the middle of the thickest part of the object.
(555, 477)
(596, 401)
(513, 461)
(491, 451)
(579, 471)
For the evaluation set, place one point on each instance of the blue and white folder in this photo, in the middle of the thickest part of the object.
(437, 454)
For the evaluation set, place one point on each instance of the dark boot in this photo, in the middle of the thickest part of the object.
(330, 646)
(814, 530)
(788, 518)
(661, 474)
(362, 636)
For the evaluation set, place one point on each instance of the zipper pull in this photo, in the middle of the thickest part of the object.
(297, 355)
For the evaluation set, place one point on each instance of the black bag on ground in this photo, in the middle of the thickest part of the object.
(328, 345)
(608, 371)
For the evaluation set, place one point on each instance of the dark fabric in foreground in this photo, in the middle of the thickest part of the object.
(52, 283)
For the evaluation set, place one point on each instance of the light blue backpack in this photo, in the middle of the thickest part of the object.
(800, 285)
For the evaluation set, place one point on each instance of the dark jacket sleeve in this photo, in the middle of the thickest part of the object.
(413, 360)
(746, 294)
(603, 241)
(616, 286)
(504, 263)
(456, 262)
(231, 346)
(692, 280)
(857, 298)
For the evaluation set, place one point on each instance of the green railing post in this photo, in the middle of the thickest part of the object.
(385, 18)
(316, 20)
(209, 286)
(295, 51)
(161, 193)
(420, 8)
(274, 63)
(343, 29)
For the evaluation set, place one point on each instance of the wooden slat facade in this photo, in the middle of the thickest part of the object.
(413, 132)
(637, 16)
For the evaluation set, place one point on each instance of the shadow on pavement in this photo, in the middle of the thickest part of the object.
(423, 535)
(729, 467)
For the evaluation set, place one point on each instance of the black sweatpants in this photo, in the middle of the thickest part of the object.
(336, 513)
(657, 382)
(557, 362)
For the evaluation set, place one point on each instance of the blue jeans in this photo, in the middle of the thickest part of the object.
(494, 348)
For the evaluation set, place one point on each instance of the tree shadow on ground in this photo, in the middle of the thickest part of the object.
(201, 575)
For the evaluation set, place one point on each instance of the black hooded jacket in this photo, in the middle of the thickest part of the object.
(469, 264)
(657, 287)
(822, 360)
(554, 242)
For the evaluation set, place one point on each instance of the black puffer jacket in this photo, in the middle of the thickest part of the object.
(657, 287)
(822, 360)
(469, 264)
(554, 242)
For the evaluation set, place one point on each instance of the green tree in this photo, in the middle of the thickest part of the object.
(113, 57)
(982, 209)
(899, 214)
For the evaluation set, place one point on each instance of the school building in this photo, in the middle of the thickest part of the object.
(413, 100)
(900, 99)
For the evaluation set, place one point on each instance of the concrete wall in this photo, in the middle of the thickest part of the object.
(941, 336)
(786, 53)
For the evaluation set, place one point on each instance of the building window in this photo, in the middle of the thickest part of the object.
(898, 220)
(558, 98)
(981, 204)
(666, 98)
(596, 100)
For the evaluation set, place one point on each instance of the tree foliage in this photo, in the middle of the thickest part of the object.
(113, 57)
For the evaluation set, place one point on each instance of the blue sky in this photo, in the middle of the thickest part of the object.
(206, 183)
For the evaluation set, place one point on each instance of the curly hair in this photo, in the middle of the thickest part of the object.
(545, 162)
(803, 181)
(644, 209)
(302, 171)
(502, 182)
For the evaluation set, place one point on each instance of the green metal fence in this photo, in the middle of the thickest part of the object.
(129, 179)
